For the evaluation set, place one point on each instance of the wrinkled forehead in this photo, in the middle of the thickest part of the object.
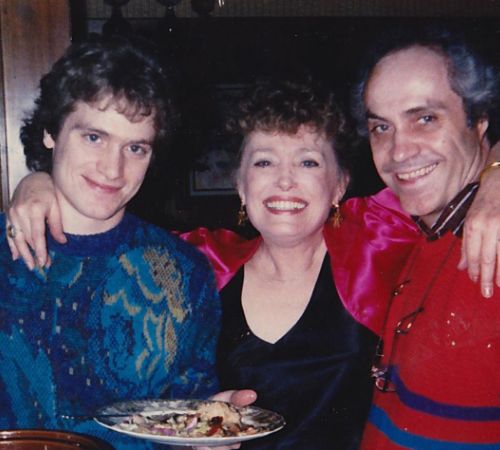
(416, 61)
(406, 78)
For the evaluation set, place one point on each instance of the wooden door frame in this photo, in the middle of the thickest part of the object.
(33, 34)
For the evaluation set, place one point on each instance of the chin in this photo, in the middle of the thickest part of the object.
(417, 210)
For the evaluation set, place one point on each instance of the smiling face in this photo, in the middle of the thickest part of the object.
(100, 159)
(422, 147)
(288, 184)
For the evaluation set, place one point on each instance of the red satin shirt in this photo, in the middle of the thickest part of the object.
(367, 253)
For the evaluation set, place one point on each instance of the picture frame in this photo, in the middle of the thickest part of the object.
(213, 170)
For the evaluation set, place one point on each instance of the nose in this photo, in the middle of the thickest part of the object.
(404, 146)
(286, 178)
(110, 163)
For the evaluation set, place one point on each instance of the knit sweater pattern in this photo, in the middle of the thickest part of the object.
(128, 314)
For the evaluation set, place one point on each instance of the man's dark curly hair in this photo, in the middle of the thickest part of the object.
(127, 73)
(284, 106)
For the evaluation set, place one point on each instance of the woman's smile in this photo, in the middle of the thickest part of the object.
(280, 205)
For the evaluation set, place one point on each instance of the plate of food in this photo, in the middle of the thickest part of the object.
(189, 422)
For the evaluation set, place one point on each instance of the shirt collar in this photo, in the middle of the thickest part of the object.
(95, 244)
(453, 216)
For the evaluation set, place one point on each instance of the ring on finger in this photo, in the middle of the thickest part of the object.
(12, 231)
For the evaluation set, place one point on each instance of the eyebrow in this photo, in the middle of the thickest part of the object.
(310, 150)
(270, 150)
(84, 127)
(372, 115)
(430, 105)
(259, 149)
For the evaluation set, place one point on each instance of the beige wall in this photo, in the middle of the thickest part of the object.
(278, 8)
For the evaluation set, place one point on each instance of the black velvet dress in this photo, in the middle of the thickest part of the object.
(317, 375)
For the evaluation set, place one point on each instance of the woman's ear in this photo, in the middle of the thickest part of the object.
(341, 187)
(241, 193)
(239, 185)
(48, 141)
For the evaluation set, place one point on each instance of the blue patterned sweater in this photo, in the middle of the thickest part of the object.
(128, 314)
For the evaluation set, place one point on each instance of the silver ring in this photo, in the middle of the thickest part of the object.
(11, 231)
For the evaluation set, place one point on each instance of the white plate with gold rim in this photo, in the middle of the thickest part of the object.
(120, 417)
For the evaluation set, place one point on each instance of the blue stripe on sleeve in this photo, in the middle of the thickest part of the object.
(380, 420)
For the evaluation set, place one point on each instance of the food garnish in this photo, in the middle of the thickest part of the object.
(209, 419)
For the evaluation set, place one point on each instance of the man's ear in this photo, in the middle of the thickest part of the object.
(481, 127)
(48, 141)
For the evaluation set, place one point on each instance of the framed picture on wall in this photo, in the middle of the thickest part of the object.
(213, 173)
(213, 170)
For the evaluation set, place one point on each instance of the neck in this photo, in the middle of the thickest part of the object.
(76, 222)
(283, 263)
(452, 216)
(472, 176)
(89, 227)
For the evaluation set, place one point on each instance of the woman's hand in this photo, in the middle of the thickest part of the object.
(34, 202)
(237, 398)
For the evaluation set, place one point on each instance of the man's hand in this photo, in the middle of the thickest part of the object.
(237, 398)
(481, 238)
(33, 202)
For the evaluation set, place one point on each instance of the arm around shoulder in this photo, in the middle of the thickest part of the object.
(481, 237)
(33, 203)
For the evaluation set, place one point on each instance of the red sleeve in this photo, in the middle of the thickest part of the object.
(367, 252)
(226, 251)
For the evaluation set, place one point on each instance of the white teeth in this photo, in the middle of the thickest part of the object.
(416, 173)
(285, 205)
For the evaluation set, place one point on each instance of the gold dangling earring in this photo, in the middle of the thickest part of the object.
(336, 216)
(242, 216)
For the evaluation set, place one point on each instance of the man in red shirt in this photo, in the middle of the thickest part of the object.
(425, 102)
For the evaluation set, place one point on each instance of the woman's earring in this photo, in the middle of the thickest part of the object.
(242, 216)
(335, 215)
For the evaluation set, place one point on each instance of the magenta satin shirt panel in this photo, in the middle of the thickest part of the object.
(368, 252)
(226, 250)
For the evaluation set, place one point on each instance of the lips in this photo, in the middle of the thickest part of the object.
(417, 173)
(104, 188)
(285, 205)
